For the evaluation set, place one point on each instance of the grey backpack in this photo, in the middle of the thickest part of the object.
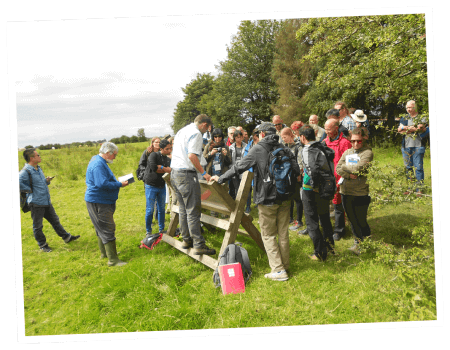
(232, 254)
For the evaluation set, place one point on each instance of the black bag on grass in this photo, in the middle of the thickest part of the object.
(233, 254)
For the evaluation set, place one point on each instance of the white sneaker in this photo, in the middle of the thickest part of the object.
(277, 276)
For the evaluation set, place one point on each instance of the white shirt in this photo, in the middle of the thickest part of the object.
(187, 140)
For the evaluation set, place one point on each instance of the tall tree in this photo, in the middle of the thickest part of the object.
(245, 90)
(376, 63)
(141, 135)
(290, 74)
(189, 107)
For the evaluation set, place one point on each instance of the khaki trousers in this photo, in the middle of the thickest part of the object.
(274, 220)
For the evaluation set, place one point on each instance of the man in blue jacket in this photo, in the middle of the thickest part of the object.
(101, 196)
(33, 181)
(415, 131)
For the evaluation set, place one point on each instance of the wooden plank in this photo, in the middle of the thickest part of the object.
(253, 231)
(220, 223)
(204, 259)
(238, 212)
(174, 220)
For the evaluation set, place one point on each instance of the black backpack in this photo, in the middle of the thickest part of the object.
(327, 181)
(23, 196)
(232, 254)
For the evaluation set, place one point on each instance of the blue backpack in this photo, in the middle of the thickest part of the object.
(280, 179)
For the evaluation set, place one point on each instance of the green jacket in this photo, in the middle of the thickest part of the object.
(359, 186)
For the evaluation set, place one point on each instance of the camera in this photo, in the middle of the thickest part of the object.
(219, 149)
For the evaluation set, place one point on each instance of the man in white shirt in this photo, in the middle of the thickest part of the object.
(185, 164)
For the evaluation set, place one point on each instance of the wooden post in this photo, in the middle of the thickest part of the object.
(216, 197)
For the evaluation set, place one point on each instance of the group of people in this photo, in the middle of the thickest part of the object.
(199, 152)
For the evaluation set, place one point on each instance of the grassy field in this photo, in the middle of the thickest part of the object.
(72, 291)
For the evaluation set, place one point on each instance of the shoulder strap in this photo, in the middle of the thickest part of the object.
(31, 180)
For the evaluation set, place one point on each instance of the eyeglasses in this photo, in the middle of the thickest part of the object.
(357, 141)
(278, 124)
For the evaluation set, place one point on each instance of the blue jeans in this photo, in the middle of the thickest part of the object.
(153, 194)
(413, 157)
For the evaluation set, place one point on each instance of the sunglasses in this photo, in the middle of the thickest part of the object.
(278, 124)
(357, 141)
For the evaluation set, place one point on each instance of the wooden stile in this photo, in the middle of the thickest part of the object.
(215, 197)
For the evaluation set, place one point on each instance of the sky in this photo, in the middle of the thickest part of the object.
(94, 69)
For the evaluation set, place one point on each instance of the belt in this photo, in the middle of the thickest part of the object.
(184, 171)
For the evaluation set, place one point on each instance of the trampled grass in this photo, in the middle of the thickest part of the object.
(72, 291)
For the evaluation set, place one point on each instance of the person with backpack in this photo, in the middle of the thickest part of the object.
(318, 188)
(274, 187)
(143, 162)
(33, 181)
(252, 141)
(354, 188)
(155, 186)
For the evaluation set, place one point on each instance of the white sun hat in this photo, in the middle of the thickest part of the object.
(359, 116)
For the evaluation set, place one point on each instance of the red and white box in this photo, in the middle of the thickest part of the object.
(231, 278)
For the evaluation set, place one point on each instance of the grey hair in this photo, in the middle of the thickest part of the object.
(108, 147)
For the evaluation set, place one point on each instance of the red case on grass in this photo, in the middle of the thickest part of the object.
(231, 278)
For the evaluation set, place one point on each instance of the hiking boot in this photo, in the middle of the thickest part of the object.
(247, 210)
(204, 250)
(111, 253)
(336, 237)
(102, 248)
(303, 232)
(72, 238)
(187, 244)
(355, 249)
(46, 249)
(277, 276)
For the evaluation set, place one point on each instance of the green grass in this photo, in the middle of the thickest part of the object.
(72, 291)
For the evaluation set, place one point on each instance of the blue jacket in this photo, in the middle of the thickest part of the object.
(40, 194)
(102, 186)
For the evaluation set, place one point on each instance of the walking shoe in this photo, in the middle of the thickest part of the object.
(163, 231)
(204, 250)
(355, 249)
(72, 238)
(296, 226)
(277, 276)
(303, 232)
(336, 237)
(247, 210)
(46, 249)
(187, 244)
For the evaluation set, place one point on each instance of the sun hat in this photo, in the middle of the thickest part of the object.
(359, 116)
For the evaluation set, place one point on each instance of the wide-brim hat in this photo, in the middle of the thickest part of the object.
(359, 116)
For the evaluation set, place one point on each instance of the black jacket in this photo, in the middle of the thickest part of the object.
(258, 158)
(154, 161)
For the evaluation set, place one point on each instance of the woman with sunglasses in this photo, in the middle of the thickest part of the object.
(354, 189)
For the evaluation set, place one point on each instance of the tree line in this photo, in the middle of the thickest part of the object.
(140, 137)
(299, 67)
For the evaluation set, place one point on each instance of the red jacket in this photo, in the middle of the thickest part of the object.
(339, 146)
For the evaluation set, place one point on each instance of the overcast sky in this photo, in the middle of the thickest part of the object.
(93, 79)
